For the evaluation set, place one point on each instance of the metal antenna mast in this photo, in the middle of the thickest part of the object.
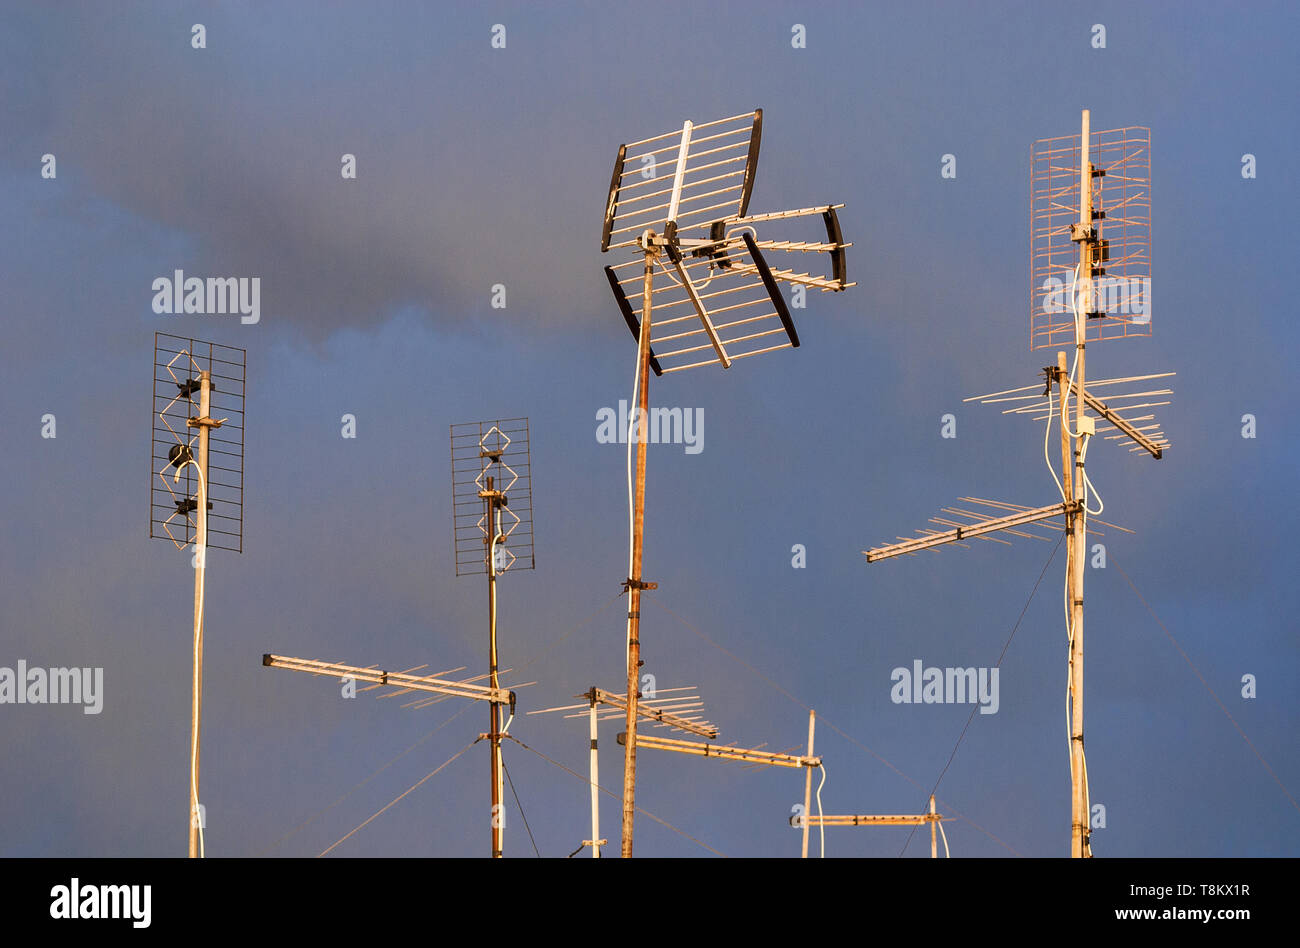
(682, 197)
(185, 393)
(498, 456)
(1092, 288)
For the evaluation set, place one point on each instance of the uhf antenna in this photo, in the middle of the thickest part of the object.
(1090, 263)
(932, 818)
(492, 503)
(192, 380)
(678, 207)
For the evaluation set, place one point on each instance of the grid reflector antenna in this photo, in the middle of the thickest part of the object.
(179, 361)
(496, 450)
(689, 177)
(1120, 299)
(683, 197)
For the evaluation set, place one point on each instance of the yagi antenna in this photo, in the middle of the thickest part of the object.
(679, 709)
(196, 492)
(1090, 272)
(933, 818)
(751, 756)
(428, 689)
(678, 210)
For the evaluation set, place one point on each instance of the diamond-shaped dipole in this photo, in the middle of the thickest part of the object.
(498, 450)
(179, 362)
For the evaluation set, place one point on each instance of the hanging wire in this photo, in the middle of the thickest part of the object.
(616, 796)
(1005, 647)
(828, 723)
(421, 740)
(1197, 672)
(521, 808)
(400, 796)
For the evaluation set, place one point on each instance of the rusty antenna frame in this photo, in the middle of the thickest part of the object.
(1054, 215)
(678, 205)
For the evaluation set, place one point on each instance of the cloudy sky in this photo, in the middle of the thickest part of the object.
(479, 166)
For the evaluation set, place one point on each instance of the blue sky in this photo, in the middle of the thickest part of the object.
(481, 166)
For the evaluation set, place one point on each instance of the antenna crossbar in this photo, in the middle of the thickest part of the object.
(698, 749)
(973, 530)
(455, 689)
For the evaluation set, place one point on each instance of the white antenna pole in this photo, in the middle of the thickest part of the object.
(807, 784)
(680, 174)
(595, 782)
(200, 565)
(934, 840)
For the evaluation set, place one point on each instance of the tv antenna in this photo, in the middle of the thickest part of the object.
(429, 689)
(752, 756)
(193, 379)
(490, 464)
(487, 460)
(681, 712)
(678, 206)
(1102, 284)
(805, 819)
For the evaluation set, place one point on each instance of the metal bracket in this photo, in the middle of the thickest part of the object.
(1049, 376)
(629, 584)
(204, 422)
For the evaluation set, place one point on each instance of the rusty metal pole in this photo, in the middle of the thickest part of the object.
(638, 529)
(494, 710)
